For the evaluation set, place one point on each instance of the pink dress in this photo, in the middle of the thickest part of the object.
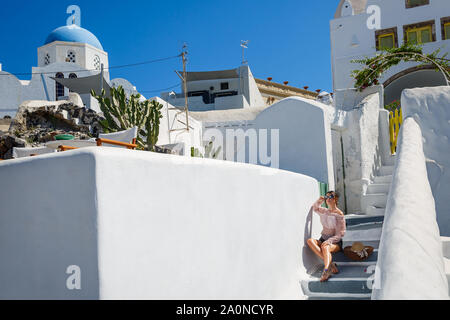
(333, 224)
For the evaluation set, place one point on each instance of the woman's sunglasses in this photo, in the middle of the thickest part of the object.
(329, 197)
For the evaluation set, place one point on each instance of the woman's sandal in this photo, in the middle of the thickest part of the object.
(325, 275)
(334, 268)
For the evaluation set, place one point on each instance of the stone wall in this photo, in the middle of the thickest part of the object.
(38, 122)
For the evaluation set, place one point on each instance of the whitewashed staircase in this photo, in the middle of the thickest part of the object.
(374, 201)
(353, 282)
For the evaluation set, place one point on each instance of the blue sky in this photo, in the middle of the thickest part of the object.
(289, 39)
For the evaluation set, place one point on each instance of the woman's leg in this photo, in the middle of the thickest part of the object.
(315, 245)
(327, 251)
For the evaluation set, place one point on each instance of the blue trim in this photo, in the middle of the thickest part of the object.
(45, 87)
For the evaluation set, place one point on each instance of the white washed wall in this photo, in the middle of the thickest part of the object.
(393, 14)
(150, 226)
(410, 263)
(430, 107)
(360, 130)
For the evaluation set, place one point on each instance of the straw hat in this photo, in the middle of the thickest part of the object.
(358, 251)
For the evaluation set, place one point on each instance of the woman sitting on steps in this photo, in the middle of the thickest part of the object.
(333, 222)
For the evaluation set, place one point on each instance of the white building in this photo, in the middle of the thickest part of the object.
(219, 90)
(427, 21)
(68, 52)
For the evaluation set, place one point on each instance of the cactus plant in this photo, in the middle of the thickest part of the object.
(123, 113)
(210, 152)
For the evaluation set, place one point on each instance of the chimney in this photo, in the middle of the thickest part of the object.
(318, 90)
(306, 87)
(269, 79)
(286, 83)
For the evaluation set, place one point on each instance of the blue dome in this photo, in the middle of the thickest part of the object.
(73, 33)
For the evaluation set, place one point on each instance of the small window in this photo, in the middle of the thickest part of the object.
(72, 76)
(71, 57)
(97, 64)
(445, 24)
(59, 87)
(386, 39)
(420, 35)
(224, 86)
(447, 31)
(47, 59)
(416, 3)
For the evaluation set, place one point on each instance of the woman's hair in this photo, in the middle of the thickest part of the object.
(335, 194)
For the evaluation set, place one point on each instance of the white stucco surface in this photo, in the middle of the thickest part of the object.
(304, 145)
(430, 107)
(359, 128)
(351, 38)
(114, 213)
(239, 81)
(48, 222)
(410, 260)
(172, 128)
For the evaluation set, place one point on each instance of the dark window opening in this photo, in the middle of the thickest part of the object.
(224, 86)
(445, 28)
(420, 33)
(59, 87)
(205, 94)
(416, 3)
(72, 76)
(225, 94)
(210, 98)
(386, 38)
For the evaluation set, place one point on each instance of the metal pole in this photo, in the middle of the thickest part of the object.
(185, 89)
(168, 120)
(101, 80)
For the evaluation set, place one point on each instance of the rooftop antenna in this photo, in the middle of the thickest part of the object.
(244, 45)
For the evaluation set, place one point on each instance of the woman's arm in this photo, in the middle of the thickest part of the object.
(317, 206)
(318, 209)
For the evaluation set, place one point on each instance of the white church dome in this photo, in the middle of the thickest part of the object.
(74, 33)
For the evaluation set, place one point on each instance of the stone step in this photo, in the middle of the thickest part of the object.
(390, 161)
(353, 220)
(378, 188)
(374, 200)
(370, 227)
(386, 170)
(350, 280)
(383, 179)
(340, 258)
(373, 211)
(326, 296)
(361, 233)
(372, 243)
